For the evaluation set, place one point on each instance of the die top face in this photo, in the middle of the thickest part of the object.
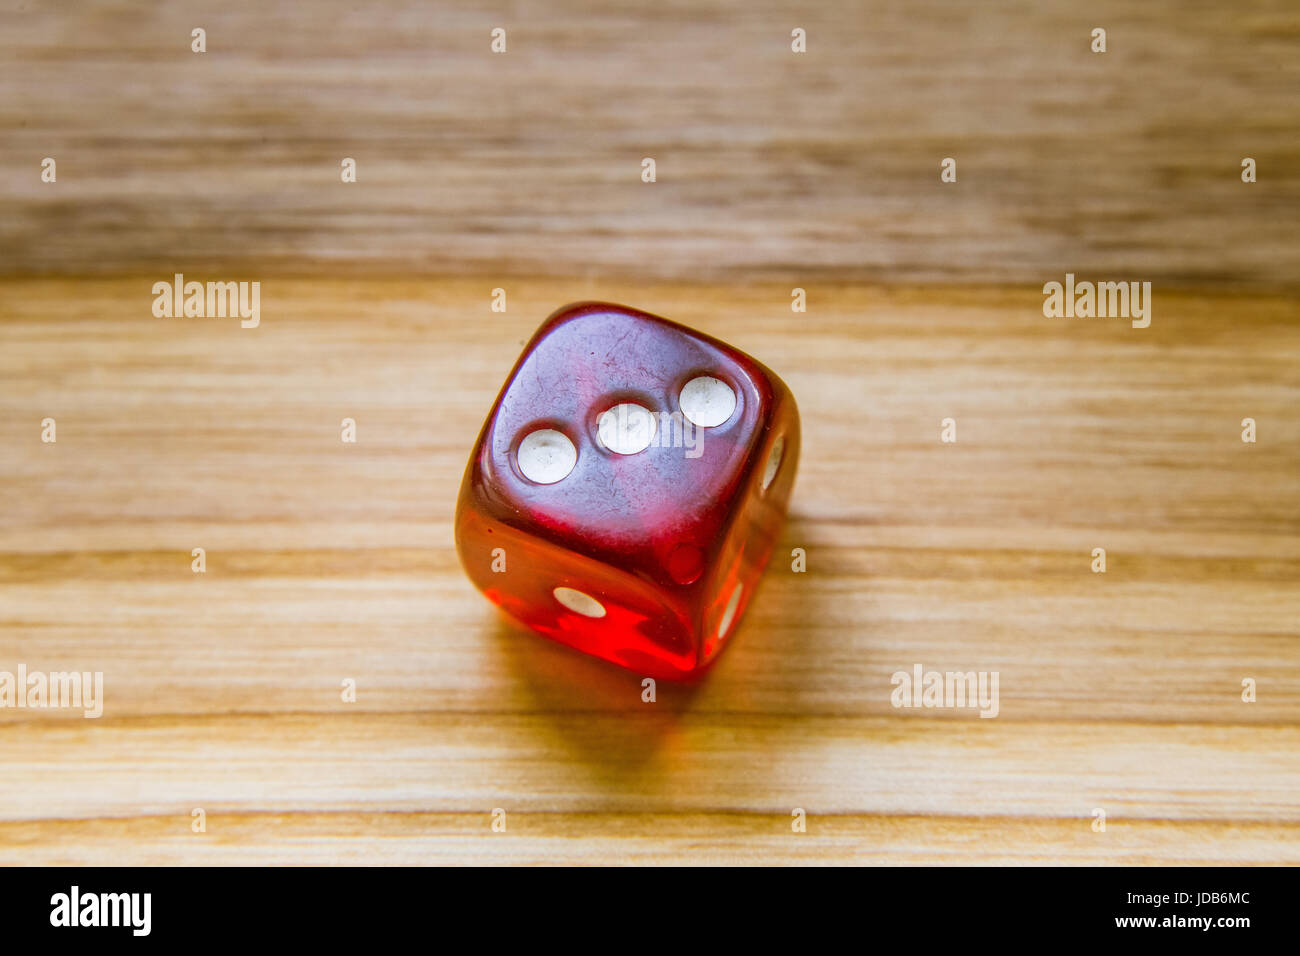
(624, 436)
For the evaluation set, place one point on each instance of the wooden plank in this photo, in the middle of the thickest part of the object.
(326, 561)
(423, 839)
(771, 164)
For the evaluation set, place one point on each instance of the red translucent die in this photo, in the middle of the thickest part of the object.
(638, 534)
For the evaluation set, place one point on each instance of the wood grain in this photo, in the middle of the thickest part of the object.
(328, 561)
(771, 164)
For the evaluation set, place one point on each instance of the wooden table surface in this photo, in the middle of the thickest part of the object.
(328, 561)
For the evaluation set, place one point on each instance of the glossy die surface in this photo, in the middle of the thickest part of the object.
(628, 486)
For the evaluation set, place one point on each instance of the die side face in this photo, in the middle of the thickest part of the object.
(756, 522)
(620, 473)
(630, 624)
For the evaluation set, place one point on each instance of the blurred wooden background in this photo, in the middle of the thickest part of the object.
(328, 561)
(770, 164)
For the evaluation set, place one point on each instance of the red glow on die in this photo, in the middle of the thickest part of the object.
(649, 557)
